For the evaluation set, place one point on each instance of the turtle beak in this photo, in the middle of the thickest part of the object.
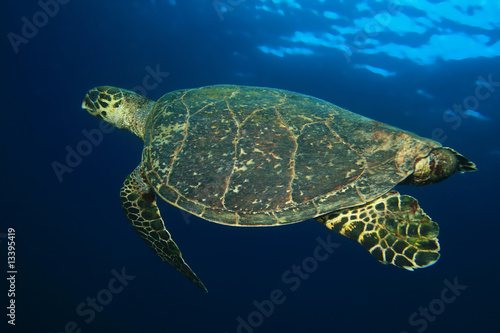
(85, 104)
(91, 103)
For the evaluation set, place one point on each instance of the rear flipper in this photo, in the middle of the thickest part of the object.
(139, 202)
(393, 228)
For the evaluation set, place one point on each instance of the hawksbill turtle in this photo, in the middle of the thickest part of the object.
(252, 156)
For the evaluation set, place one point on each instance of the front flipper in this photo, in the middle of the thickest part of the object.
(139, 202)
(393, 228)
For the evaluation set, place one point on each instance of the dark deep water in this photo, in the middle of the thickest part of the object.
(72, 238)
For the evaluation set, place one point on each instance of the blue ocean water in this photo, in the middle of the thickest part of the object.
(430, 67)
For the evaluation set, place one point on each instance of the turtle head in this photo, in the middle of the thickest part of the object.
(119, 107)
(438, 165)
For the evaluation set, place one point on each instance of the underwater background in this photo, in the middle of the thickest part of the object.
(430, 67)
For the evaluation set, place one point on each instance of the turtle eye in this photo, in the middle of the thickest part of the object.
(96, 101)
(93, 95)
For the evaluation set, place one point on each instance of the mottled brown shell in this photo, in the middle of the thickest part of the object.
(258, 156)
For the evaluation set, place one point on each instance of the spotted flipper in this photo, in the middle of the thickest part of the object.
(393, 228)
(139, 202)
